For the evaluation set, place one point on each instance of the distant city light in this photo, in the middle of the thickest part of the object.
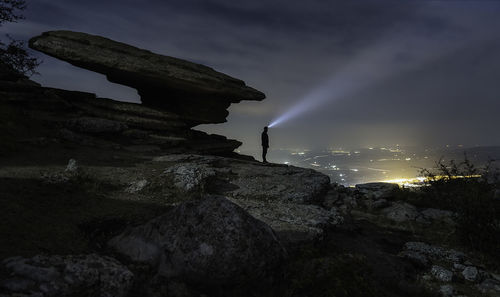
(392, 167)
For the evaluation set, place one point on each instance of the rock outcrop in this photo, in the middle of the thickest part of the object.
(453, 270)
(248, 179)
(83, 119)
(289, 205)
(377, 190)
(194, 91)
(74, 275)
(176, 96)
(210, 241)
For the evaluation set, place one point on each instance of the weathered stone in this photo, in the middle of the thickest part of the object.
(441, 274)
(72, 166)
(74, 275)
(401, 212)
(188, 176)
(455, 256)
(300, 185)
(83, 119)
(377, 190)
(293, 223)
(178, 85)
(470, 273)
(249, 179)
(136, 186)
(131, 114)
(210, 241)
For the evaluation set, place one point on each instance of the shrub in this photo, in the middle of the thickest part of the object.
(10, 10)
(16, 56)
(469, 192)
(14, 53)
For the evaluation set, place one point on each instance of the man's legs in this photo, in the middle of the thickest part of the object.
(264, 153)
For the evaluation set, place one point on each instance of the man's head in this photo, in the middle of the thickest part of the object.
(265, 129)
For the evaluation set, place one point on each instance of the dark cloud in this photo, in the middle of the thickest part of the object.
(407, 72)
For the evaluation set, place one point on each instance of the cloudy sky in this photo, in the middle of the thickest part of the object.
(336, 73)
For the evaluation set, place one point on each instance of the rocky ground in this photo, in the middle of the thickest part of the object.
(192, 225)
(102, 198)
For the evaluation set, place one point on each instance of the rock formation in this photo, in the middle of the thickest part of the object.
(185, 215)
(176, 96)
(289, 206)
(196, 92)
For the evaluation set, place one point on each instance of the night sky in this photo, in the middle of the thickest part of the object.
(363, 73)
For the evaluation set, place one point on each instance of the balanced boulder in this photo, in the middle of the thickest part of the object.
(186, 88)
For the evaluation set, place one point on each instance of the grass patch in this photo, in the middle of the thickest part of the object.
(67, 218)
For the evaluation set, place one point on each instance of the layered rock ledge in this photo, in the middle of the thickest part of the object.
(194, 91)
(176, 96)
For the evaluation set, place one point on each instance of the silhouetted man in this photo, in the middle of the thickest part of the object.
(265, 144)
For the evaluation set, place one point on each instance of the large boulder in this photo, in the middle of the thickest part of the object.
(73, 275)
(211, 241)
(181, 86)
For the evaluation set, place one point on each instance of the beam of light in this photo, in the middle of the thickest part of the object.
(390, 57)
(369, 67)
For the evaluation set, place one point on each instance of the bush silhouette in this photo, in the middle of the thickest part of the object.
(469, 192)
(13, 53)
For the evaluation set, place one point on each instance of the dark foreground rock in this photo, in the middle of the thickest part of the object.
(45, 116)
(83, 275)
(211, 241)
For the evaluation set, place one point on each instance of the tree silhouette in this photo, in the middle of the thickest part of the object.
(10, 10)
(13, 53)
